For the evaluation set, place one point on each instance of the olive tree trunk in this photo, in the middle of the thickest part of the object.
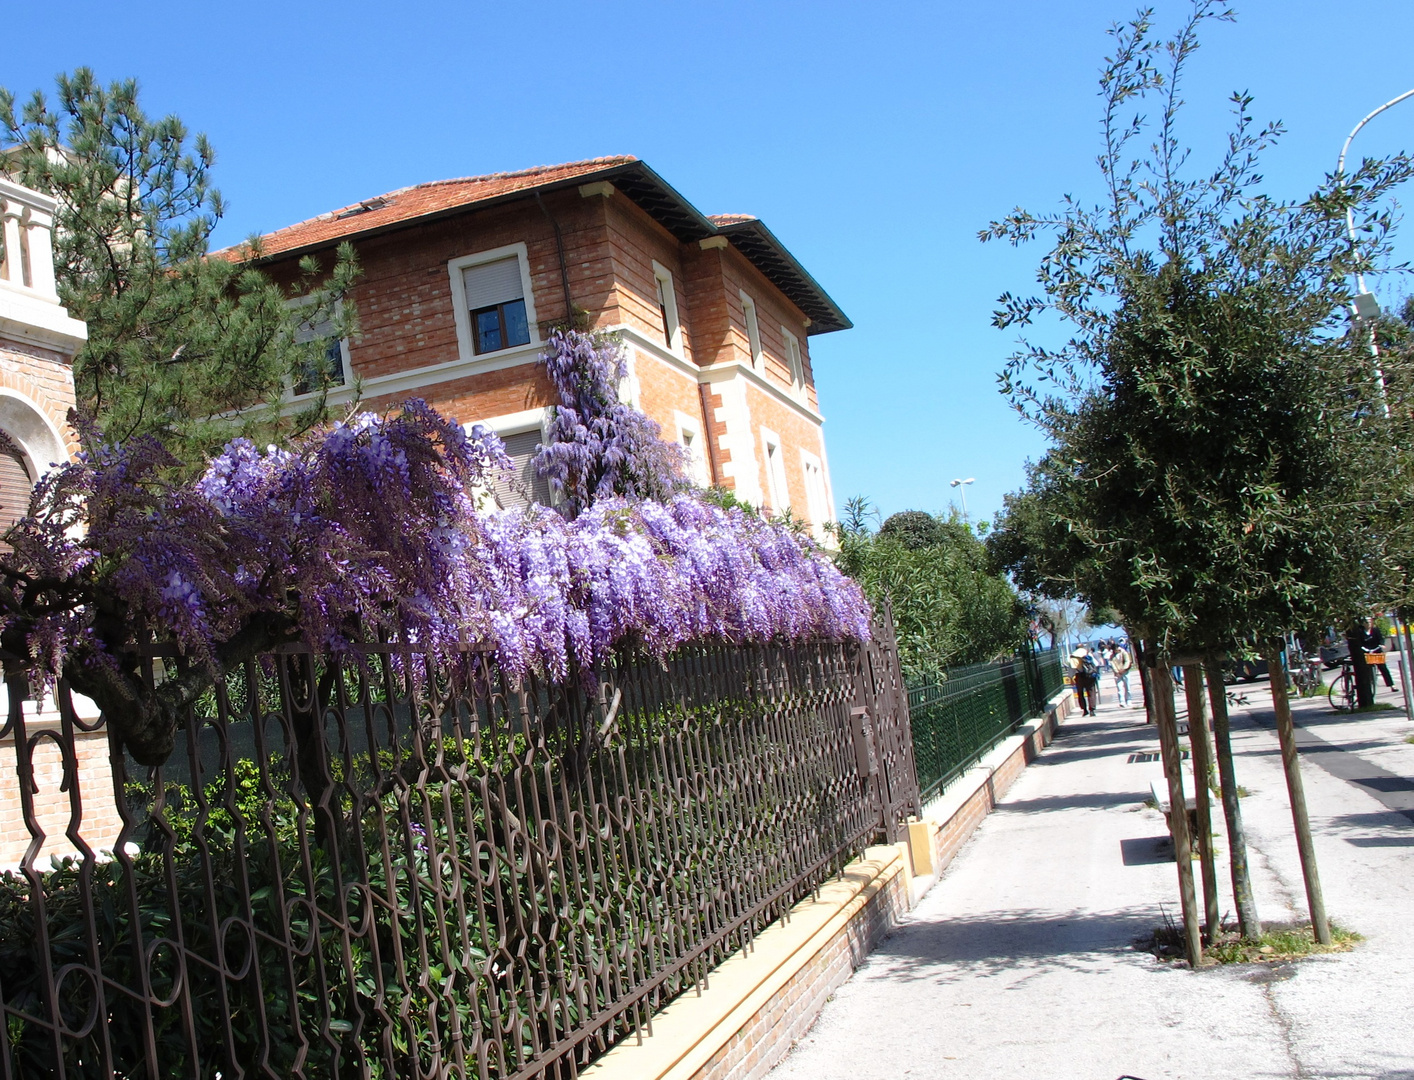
(1247, 919)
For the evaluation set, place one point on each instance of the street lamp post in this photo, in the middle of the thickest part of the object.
(1366, 308)
(961, 485)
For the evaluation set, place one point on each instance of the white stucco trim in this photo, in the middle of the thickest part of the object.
(688, 430)
(716, 373)
(465, 350)
(516, 422)
(739, 441)
(32, 320)
(39, 441)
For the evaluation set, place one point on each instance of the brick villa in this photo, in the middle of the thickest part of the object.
(462, 278)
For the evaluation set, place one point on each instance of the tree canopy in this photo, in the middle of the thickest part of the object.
(1206, 410)
(178, 338)
(949, 608)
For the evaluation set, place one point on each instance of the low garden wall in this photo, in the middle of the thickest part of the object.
(757, 1004)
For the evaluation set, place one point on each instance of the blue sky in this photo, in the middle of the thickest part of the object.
(874, 140)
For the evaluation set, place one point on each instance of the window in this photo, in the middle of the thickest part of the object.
(776, 488)
(492, 301)
(15, 486)
(690, 438)
(793, 361)
(495, 299)
(753, 330)
(521, 485)
(667, 306)
(319, 367)
(817, 502)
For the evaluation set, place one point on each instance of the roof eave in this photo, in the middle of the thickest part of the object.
(825, 315)
(656, 197)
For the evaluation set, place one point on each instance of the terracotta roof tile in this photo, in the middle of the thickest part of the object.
(417, 201)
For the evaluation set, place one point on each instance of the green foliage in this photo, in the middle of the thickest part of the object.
(914, 529)
(445, 879)
(177, 337)
(949, 608)
(1207, 411)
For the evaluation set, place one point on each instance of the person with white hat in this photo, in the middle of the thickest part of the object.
(1084, 674)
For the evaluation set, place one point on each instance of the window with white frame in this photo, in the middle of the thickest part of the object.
(325, 362)
(793, 360)
(691, 439)
(493, 306)
(522, 435)
(776, 489)
(817, 500)
(753, 330)
(667, 306)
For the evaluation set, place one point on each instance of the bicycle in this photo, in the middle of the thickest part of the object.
(1342, 691)
(1306, 677)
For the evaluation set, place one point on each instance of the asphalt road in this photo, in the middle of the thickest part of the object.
(1020, 962)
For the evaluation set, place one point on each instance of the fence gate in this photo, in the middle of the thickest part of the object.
(882, 731)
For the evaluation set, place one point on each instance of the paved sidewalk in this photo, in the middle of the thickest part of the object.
(1019, 963)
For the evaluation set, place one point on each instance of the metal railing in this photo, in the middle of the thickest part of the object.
(958, 716)
(383, 865)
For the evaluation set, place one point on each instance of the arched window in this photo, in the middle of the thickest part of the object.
(15, 485)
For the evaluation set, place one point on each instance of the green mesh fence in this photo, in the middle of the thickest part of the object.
(963, 712)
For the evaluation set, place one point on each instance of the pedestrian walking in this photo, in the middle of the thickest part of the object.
(1085, 674)
(1121, 664)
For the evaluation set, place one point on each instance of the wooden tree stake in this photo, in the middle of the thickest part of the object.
(1162, 681)
(1286, 733)
(1247, 919)
(1202, 774)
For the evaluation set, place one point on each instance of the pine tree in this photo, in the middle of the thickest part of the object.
(179, 338)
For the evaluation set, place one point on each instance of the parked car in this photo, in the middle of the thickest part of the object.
(1333, 652)
(1245, 670)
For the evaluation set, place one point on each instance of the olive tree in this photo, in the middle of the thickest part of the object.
(1208, 405)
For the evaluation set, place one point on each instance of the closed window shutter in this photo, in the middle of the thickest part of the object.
(492, 283)
(521, 485)
(15, 485)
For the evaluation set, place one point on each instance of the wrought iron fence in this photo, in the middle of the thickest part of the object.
(962, 714)
(382, 866)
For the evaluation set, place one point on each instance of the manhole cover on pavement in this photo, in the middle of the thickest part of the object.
(1151, 755)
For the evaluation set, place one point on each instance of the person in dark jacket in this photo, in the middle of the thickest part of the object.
(1375, 643)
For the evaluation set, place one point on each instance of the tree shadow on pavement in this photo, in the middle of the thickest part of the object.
(1098, 800)
(1383, 819)
(1000, 942)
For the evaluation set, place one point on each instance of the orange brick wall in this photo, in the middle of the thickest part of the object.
(100, 825)
(405, 312)
(768, 1036)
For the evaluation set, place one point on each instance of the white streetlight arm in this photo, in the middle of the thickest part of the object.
(1340, 170)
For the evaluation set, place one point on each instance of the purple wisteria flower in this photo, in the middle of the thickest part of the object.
(598, 446)
(370, 530)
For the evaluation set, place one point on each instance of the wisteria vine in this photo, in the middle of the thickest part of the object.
(370, 530)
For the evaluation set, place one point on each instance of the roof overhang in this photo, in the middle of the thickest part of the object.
(654, 195)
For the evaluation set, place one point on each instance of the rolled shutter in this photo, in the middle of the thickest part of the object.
(521, 485)
(492, 283)
(15, 486)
